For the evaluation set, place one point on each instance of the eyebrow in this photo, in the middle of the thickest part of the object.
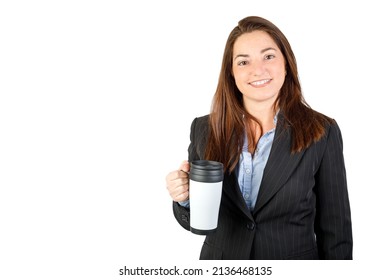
(247, 55)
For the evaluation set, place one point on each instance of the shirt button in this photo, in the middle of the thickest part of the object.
(246, 196)
(247, 171)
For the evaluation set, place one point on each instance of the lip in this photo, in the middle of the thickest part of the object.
(260, 83)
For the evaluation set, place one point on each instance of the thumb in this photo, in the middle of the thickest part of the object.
(185, 166)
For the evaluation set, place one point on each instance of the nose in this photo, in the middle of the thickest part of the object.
(258, 68)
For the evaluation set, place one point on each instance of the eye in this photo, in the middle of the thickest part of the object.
(269, 56)
(242, 63)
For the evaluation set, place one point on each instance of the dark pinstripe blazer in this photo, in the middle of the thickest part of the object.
(302, 210)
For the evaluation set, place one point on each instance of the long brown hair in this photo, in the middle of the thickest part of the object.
(227, 124)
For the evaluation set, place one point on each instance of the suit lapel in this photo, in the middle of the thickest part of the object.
(233, 192)
(281, 163)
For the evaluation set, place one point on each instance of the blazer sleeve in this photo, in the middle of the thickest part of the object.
(182, 214)
(333, 226)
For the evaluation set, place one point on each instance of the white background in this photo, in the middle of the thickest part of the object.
(96, 102)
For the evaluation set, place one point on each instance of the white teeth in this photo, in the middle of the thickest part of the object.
(258, 83)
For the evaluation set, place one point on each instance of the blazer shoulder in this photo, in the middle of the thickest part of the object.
(330, 125)
(330, 141)
(198, 137)
(334, 133)
(201, 121)
(199, 126)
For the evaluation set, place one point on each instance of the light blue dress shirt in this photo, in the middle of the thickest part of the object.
(250, 169)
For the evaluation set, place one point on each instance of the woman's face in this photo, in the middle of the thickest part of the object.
(258, 68)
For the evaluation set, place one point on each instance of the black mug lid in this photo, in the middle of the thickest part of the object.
(206, 171)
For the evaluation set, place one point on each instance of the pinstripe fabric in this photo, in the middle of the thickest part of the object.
(302, 210)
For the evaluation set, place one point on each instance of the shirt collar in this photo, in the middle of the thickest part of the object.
(245, 145)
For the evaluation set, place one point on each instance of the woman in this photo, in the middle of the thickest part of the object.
(284, 191)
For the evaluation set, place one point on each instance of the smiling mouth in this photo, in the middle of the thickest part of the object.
(260, 83)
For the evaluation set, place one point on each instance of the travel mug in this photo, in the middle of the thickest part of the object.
(206, 179)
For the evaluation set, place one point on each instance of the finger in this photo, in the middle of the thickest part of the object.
(180, 193)
(175, 175)
(181, 190)
(181, 197)
(179, 185)
(185, 166)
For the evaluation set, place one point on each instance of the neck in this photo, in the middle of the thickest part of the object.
(264, 113)
(265, 116)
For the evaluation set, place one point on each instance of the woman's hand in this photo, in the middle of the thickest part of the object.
(177, 183)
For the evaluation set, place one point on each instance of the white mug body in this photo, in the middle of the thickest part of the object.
(205, 200)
